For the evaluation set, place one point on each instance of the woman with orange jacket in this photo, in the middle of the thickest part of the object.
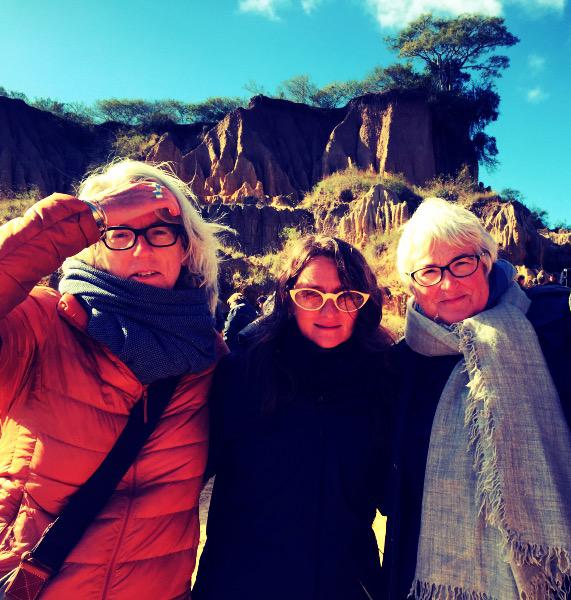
(134, 306)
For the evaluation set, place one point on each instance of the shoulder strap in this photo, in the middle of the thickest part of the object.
(64, 533)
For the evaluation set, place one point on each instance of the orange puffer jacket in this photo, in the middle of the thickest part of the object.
(64, 399)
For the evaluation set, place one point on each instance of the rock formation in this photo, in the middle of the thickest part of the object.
(43, 151)
(275, 151)
(511, 225)
(386, 134)
(281, 148)
(378, 211)
(259, 227)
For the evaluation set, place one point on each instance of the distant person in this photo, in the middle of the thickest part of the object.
(131, 328)
(299, 430)
(260, 301)
(241, 313)
(551, 279)
(521, 281)
(482, 450)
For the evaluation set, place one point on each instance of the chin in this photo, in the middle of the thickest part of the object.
(327, 344)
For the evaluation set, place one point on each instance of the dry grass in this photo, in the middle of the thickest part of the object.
(16, 206)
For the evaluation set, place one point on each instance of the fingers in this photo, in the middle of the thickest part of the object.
(135, 199)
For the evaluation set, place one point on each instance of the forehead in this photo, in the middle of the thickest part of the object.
(144, 221)
(320, 272)
(439, 253)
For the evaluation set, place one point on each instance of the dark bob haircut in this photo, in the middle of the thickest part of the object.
(354, 273)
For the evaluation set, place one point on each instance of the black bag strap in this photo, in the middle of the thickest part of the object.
(59, 538)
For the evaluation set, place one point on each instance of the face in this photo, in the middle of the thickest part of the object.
(453, 299)
(327, 327)
(159, 267)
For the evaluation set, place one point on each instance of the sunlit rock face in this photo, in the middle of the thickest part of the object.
(385, 134)
(376, 212)
(281, 148)
(511, 225)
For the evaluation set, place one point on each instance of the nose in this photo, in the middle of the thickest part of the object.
(328, 307)
(141, 246)
(448, 280)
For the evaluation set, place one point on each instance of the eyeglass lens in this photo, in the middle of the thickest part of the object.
(310, 299)
(157, 235)
(459, 267)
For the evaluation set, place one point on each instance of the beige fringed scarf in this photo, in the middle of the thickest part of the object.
(496, 512)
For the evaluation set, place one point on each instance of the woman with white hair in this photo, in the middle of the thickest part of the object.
(482, 452)
(103, 388)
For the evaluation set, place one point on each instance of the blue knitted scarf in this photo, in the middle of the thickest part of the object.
(155, 332)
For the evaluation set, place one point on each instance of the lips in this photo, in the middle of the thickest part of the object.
(452, 300)
(143, 274)
(326, 327)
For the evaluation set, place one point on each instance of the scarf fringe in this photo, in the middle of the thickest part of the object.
(423, 590)
(554, 563)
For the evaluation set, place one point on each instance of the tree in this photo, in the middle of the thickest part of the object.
(397, 76)
(299, 89)
(454, 49)
(334, 95)
(214, 109)
(126, 111)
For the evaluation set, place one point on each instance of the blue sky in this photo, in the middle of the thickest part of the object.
(85, 50)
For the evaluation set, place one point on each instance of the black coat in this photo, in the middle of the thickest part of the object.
(296, 487)
(240, 316)
(422, 381)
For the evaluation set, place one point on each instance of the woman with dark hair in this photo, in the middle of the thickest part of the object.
(297, 440)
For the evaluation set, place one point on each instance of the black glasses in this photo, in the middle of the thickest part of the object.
(124, 238)
(460, 266)
(345, 301)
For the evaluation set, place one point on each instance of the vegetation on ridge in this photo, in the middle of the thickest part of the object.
(458, 65)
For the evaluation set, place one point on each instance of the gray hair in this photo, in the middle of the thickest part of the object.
(437, 220)
(200, 256)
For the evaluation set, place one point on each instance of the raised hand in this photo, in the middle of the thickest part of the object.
(136, 199)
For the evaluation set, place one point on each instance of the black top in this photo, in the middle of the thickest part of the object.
(240, 316)
(296, 487)
(422, 381)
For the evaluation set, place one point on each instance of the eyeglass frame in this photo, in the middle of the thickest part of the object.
(329, 295)
(178, 230)
(477, 256)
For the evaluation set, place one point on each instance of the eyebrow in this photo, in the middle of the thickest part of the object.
(464, 255)
(322, 289)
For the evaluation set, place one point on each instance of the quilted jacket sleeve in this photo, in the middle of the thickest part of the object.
(31, 247)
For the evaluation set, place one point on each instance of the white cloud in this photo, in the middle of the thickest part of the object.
(397, 14)
(536, 95)
(270, 8)
(390, 13)
(536, 63)
(309, 5)
(266, 8)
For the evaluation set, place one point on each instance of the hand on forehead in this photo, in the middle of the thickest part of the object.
(136, 199)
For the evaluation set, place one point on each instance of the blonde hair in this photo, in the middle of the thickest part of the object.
(200, 257)
(438, 221)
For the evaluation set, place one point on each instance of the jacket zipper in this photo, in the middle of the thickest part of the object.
(111, 566)
(369, 597)
(320, 497)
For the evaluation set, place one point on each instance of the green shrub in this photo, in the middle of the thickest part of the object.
(131, 144)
